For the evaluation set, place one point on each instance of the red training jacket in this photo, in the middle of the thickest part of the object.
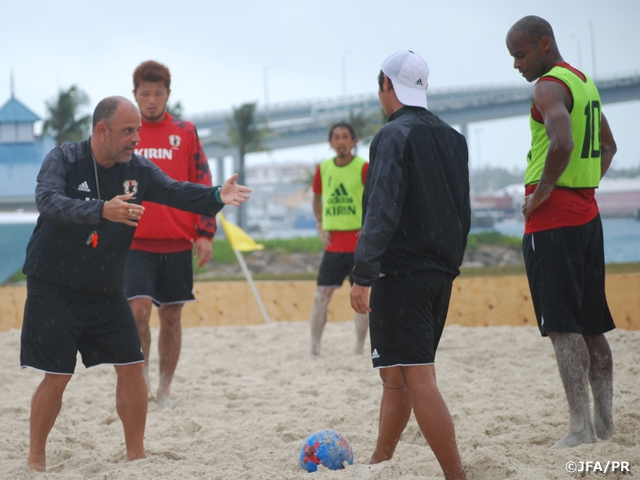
(173, 145)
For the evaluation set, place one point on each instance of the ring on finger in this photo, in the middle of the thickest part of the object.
(130, 212)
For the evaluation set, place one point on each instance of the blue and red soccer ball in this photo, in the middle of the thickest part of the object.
(328, 448)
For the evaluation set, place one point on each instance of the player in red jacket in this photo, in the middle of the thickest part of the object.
(159, 266)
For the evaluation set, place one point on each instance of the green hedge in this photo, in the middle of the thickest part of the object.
(223, 254)
(493, 238)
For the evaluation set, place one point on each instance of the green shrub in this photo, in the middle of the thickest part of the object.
(492, 238)
(223, 253)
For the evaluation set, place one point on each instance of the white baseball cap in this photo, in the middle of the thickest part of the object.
(409, 74)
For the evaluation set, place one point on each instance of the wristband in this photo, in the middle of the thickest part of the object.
(217, 195)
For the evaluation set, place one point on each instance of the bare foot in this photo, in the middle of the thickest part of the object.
(380, 457)
(603, 426)
(573, 439)
(137, 455)
(164, 401)
(37, 462)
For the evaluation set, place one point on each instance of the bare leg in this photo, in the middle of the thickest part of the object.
(141, 308)
(45, 406)
(434, 419)
(131, 405)
(601, 379)
(319, 316)
(572, 357)
(169, 342)
(362, 327)
(395, 410)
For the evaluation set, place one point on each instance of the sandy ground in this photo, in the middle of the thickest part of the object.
(246, 398)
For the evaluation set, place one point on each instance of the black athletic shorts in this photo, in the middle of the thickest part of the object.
(166, 278)
(335, 267)
(59, 323)
(407, 317)
(565, 268)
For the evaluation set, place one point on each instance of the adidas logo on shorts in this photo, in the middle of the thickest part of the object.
(375, 354)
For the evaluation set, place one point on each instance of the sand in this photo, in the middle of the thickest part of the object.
(246, 398)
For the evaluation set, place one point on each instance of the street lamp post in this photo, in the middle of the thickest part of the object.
(343, 60)
(579, 51)
(266, 88)
(593, 50)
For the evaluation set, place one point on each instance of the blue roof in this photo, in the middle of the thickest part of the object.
(15, 112)
(19, 166)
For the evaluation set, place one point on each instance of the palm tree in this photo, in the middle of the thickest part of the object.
(366, 126)
(307, 177)
(249, 136)
(175, 109)
(62, 119)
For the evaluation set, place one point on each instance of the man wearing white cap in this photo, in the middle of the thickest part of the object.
(416, 217)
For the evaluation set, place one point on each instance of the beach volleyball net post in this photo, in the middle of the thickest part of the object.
(241, 242)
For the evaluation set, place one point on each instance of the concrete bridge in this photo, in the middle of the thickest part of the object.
(306, 122)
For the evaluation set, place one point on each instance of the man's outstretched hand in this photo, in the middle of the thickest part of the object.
(232, 193)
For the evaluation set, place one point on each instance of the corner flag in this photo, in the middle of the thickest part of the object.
(241, 242)
(238, 238)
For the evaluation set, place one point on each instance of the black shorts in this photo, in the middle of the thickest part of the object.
(565, 268)
(59, 323)
(335, 267)
(407, 317)
(166, 278)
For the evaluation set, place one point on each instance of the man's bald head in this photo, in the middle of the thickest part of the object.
(107, 107)
(532, 29)
(116, 123)
(532, 45)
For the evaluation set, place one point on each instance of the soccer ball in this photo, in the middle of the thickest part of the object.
(328, 448)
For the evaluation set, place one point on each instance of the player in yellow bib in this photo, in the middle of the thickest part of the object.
(338, 185)
(571, 149)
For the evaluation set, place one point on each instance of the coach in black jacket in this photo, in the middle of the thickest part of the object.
(417, 216)
(89, 196)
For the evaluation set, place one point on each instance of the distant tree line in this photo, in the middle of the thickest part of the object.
(495, 178)
(624, 172)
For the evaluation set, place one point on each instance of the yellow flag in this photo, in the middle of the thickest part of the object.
(238, 238)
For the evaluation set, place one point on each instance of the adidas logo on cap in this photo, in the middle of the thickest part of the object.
(409, 74)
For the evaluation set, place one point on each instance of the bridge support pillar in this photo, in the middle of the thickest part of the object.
(464, 129)
(220, 170)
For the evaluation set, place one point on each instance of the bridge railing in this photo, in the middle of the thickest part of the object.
(459, 105)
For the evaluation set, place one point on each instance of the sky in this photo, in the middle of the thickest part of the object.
(222, 54)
